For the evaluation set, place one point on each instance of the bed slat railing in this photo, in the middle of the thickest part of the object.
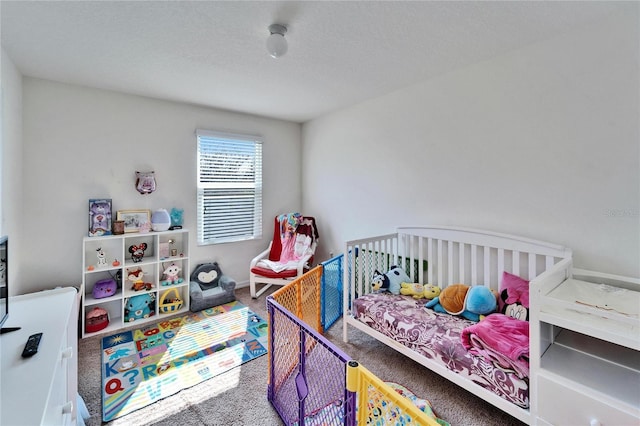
(443, 256)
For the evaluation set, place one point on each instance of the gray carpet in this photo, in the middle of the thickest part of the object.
(238, 397)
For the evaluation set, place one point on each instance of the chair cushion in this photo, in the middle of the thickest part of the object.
(269, 273)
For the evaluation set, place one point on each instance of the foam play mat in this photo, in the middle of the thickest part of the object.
(142, 366)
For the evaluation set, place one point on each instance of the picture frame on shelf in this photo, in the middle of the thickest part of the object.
(134, 220)
(99, 217)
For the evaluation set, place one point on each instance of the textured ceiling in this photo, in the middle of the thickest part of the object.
(213, 52)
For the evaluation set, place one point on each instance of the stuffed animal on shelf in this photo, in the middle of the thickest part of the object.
(420, 291)
(137, 252)
(137, 282)
(141, 306)
(469, 302)
(172, 275)
(389, 281)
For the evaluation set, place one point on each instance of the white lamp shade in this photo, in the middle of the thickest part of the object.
(276, 45)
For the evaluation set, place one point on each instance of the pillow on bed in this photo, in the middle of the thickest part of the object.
(514, 296)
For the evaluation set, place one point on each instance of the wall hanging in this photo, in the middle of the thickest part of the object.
(145, 182)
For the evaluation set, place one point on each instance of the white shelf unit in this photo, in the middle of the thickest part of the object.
(163, 249)
(584, 348)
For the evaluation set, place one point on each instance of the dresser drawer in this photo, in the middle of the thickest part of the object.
(561, 405)
(59, 408)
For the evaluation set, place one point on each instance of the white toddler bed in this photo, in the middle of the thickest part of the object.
(442, 256)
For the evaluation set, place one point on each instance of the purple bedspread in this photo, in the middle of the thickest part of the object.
(437, 337)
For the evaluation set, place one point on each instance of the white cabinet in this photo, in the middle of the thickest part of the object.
(42, 389)
(137, 263)
(585, 342)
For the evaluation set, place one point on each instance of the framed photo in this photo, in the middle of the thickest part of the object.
(134, 219)
(99, 217)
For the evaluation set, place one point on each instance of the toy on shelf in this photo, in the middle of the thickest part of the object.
(102, 257)
(99, 217)
(96, 320)
(137, 252)
(170, 301)
(104, 288)
(137, 282)
(138, 307)
(172, 275)
(176, 218)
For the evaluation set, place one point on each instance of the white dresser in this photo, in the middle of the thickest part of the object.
(40, 390)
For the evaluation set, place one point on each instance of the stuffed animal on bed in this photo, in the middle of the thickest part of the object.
(420, 291)
(389, 281)
(514, 296)
(467, 301)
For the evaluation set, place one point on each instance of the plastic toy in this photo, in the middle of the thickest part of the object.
(389, 281)
(138, 307)
(104, 288)
(137, 252)
(466, 301)
(420, 291)
(171, 275)
(102, 257)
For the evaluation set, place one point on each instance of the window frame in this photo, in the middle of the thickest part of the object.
(206, 186)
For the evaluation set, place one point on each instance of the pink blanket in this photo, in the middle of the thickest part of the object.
(502, 340)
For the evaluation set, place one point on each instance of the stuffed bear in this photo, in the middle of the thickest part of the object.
(420, 291)
(389, 281)
(466, 301)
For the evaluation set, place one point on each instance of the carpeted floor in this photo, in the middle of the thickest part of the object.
(238, 397)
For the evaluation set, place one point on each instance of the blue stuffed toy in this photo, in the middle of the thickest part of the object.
(469, 302)
(389, 281)
(138, 307)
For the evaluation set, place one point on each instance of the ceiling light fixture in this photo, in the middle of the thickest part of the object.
(276, 43)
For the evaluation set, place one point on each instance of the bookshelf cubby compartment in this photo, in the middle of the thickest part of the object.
(139, 263)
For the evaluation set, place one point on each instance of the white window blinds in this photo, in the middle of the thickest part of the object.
(229, 187)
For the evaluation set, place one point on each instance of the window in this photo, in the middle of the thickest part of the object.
(229, 187)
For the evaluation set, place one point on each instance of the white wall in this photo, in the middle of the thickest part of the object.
(82, 143)
(11, 187)
(542, 142)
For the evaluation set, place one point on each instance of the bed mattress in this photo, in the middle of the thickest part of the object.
(437, 337)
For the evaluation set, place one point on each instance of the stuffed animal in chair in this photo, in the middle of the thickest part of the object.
(467, 301)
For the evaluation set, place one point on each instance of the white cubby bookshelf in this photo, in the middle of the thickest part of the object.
(163, 249)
